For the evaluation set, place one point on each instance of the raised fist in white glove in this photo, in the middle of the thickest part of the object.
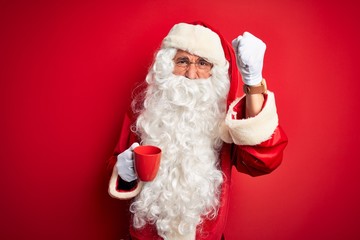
(250, 52)
(125, 164)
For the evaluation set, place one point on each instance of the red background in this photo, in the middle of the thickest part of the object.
(66, 74)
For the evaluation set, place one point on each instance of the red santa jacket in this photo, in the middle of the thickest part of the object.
(254, 146)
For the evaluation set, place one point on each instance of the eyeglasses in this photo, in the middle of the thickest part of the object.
(200, 64)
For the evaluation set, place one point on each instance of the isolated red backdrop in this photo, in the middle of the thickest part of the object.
(66, 73)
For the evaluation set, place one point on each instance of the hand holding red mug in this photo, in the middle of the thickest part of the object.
(125, 164)
(139, 161)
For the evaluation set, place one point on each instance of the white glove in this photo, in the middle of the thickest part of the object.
(250, 52)
(125, 164)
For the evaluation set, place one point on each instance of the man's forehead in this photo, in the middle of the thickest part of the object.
(182, 53)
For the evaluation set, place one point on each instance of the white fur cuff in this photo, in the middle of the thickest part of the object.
(250, 131)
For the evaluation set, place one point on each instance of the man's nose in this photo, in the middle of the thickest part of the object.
(192, 72)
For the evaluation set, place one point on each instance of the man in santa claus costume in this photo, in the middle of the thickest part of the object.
(205, 120)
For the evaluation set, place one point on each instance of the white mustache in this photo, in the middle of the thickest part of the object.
(181, 91)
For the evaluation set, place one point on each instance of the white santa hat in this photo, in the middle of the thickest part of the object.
(198, 40)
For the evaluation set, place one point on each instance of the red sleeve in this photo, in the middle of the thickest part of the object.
(262, 158)
(127, 137)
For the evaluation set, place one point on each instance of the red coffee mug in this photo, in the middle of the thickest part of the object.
(147, 162)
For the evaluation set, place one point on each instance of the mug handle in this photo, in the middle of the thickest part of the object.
(122, 195)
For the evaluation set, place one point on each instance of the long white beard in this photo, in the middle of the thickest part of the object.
(182, 117)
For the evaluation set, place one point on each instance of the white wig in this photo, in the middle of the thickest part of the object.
(182, 117)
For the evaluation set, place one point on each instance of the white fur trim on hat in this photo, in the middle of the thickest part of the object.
(197, 40)
(250, 131)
